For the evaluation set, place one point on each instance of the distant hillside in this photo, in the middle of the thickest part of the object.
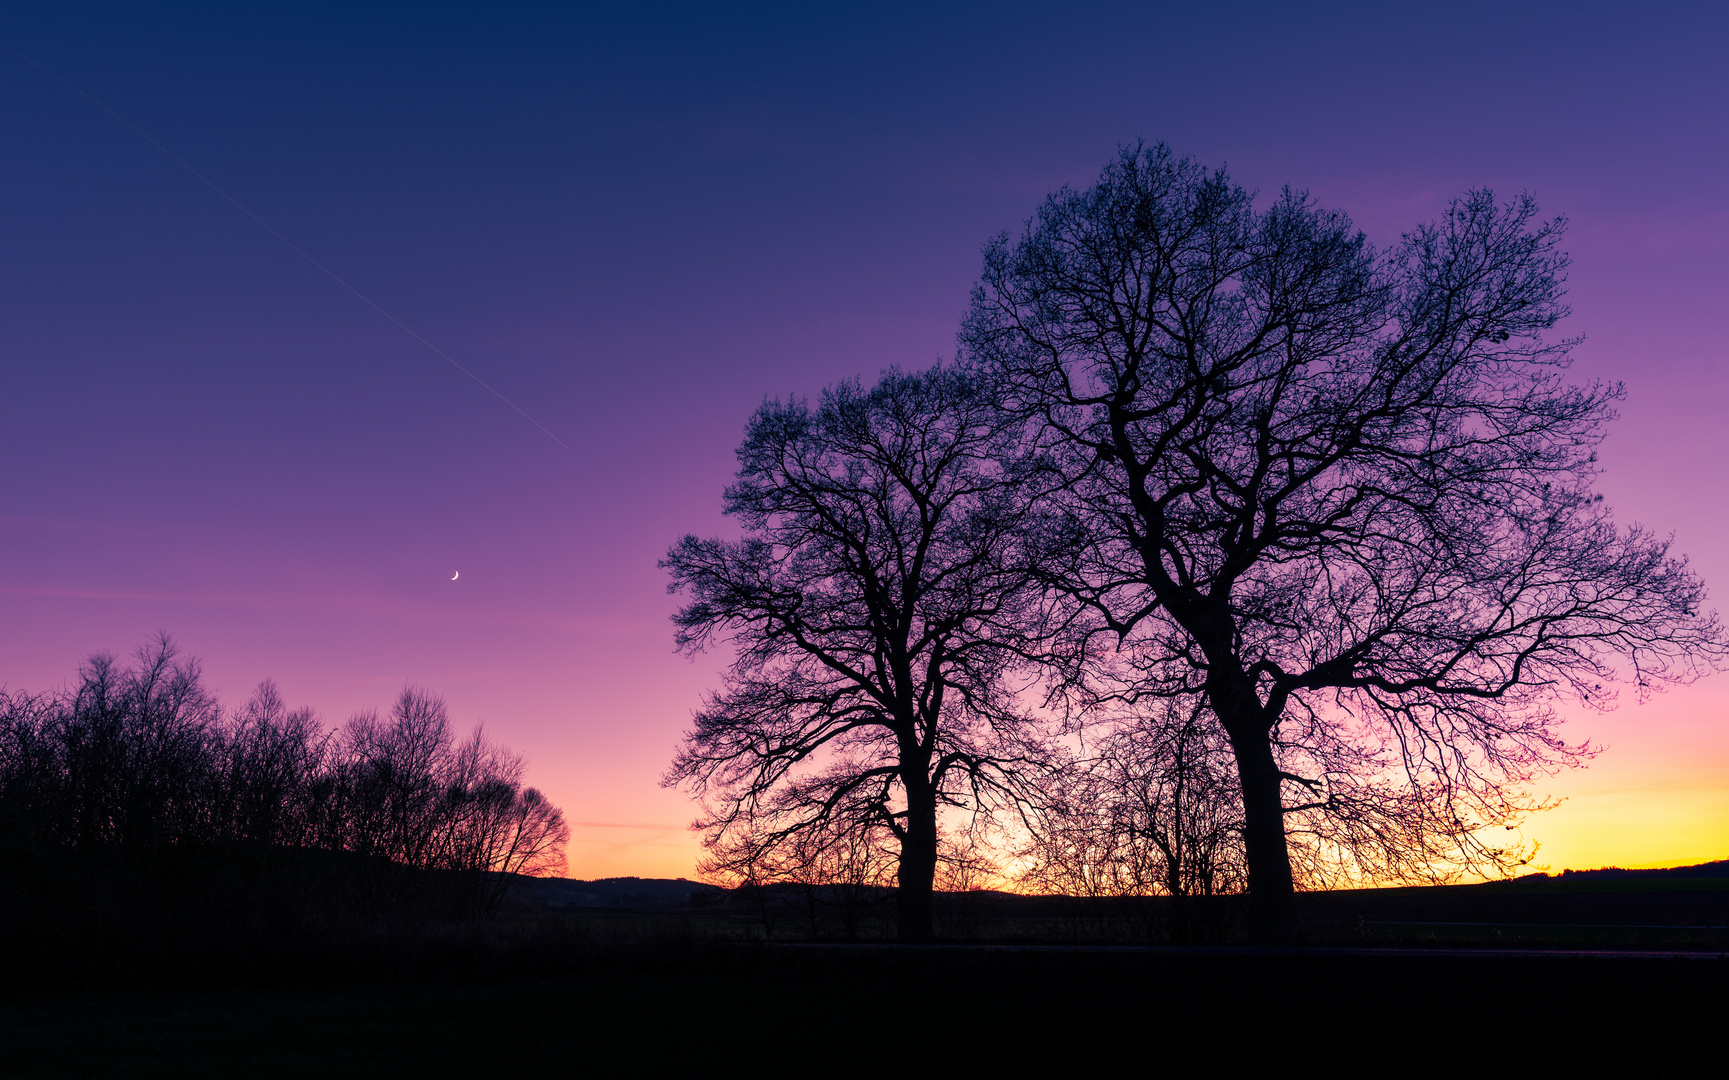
(663, 894)
(620, 892)
(1718, 869)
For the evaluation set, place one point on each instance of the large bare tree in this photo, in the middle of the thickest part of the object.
(875, 604)
(1343, 495)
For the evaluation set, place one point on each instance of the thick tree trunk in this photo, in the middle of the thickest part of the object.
(1272, 895)
(914, 899)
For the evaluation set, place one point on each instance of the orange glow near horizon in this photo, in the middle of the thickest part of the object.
(604, 850)
(1658, 796)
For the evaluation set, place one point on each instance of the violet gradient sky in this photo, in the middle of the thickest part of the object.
(638, 223)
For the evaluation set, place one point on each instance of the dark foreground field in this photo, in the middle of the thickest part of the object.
(852, 1011)
(1409, 980)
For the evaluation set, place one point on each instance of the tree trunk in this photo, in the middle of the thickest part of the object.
(918, 865)
(1272, 896)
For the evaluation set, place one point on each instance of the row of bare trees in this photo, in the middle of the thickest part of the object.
(1147, 807)
(1154, 810)
(135, 785)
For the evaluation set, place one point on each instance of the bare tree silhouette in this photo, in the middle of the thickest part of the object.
(132, 793)
(1341, 495)
(1153, 809)
(875, 604)
(415, 800)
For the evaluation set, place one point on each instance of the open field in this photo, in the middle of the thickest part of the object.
(1575, 912)
(599, 988)
(834, 1011)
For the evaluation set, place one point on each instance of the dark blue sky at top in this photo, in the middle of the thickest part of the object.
(618, 215)
(636, 222)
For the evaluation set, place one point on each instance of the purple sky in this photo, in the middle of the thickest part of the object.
(637, 225)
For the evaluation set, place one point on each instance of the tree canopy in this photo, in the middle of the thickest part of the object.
(135, 791)
(877, 609)
(1341, 495)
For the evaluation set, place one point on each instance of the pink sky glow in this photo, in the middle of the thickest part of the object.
(638, 227)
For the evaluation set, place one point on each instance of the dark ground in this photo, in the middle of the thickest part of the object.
(835, 1012)
(1037, 984)
(1591, 910)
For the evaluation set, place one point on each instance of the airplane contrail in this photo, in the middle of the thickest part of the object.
(236, 203)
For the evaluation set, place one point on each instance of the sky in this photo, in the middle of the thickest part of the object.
(636, 222)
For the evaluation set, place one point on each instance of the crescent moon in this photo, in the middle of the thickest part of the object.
(456, 575)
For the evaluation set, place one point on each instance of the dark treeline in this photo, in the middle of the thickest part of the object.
(1717, 869)
(133, 800)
